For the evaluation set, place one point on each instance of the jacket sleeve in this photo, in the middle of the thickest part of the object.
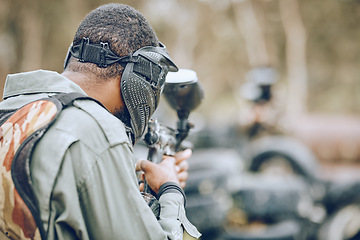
(111, 204)
(172, 217)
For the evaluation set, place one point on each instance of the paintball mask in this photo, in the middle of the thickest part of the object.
(142, 81)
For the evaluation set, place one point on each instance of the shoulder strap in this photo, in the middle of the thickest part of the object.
(19, 134)
(67, 99)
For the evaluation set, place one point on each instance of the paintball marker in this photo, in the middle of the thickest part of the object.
(183, 93)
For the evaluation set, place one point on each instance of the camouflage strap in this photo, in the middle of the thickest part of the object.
(19, 210)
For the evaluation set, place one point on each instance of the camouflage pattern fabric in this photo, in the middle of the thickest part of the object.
(16, 220)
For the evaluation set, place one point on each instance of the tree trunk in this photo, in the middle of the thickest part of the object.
(295, 58)
(250, 27)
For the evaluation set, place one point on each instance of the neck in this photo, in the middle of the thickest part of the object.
(106, 91)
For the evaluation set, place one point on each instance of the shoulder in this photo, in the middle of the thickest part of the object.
(83, 136)
(92, 124)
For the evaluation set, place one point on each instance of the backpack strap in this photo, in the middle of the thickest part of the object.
(19, 134)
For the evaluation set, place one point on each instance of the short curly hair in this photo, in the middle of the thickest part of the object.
(123, 27)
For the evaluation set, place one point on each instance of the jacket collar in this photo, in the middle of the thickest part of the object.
(40, 81)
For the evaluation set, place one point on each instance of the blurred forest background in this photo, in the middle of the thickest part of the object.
(312, 44)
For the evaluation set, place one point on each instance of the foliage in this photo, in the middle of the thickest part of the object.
(205, 36)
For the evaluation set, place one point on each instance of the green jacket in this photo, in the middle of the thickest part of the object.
(83, 171)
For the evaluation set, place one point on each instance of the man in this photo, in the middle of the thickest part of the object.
(82, 169)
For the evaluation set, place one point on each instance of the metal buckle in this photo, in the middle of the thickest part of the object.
(102, 54)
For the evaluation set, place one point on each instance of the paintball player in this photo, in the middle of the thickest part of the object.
(83, 170)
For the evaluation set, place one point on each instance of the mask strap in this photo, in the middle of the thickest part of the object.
(100, 54)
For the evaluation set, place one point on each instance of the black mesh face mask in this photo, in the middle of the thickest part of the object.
(142, 81)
